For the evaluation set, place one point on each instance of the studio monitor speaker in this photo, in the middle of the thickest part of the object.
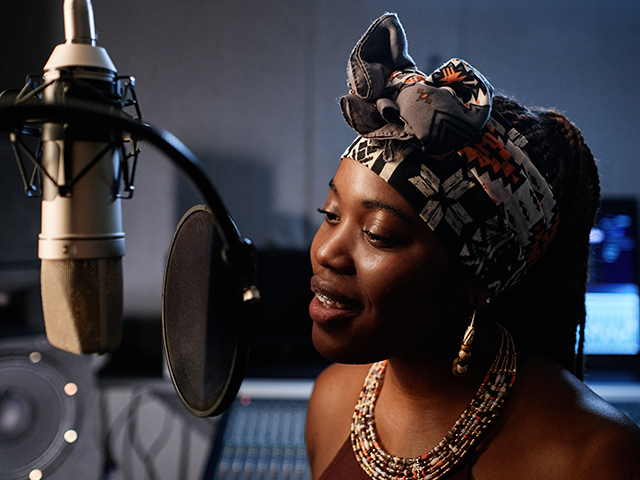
(49, 419)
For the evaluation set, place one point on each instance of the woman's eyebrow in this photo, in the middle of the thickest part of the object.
(378, 205)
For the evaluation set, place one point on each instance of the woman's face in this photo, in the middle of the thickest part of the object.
(384, 285)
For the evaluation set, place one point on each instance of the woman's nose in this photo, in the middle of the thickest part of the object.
(332, 248)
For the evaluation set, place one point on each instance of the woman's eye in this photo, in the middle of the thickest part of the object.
(329, 216)
(380, 241)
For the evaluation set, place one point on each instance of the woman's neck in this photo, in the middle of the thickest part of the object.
(421, 399)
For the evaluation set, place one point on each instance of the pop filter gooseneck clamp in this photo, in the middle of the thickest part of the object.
(210, 276)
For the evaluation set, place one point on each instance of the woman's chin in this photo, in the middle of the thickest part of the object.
(338, 350)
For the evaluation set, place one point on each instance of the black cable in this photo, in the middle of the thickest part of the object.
(124, 420)
(109, 465)
(132, 431)
(127, 449)
(162, 439)
(185, 451)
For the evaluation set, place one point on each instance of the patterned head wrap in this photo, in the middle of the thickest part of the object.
(461, 166)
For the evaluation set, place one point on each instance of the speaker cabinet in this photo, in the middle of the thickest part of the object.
(49, 417)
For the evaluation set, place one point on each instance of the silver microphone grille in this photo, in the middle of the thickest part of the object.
(82, 303)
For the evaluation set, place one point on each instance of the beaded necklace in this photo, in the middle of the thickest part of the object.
(457, 443)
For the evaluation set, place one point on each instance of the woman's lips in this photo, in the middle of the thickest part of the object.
(328, 306)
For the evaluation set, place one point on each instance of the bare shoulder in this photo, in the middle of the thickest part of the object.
(610, 440)
(334, 396)
(558, 428)
(613, 451)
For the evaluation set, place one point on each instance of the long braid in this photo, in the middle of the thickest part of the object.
(586, 196)
(547, 306)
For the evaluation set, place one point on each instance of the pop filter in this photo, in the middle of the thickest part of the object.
(205, 320)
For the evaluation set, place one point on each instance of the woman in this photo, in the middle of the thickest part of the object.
(455, 214)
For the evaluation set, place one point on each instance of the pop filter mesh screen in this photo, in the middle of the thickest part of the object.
(205, 323)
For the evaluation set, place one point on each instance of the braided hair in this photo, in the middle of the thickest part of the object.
(547, 306)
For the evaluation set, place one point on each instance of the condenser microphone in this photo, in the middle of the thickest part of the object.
(81, 243)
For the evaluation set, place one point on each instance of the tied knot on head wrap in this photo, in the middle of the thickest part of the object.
(461, 166)
(392, 100)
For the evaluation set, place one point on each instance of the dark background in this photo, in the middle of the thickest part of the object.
(251, 88)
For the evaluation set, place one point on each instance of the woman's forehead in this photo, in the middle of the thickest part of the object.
(358, 183)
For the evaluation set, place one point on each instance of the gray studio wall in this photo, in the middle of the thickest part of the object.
(251, 88)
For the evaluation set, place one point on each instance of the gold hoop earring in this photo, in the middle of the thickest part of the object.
(461, 363)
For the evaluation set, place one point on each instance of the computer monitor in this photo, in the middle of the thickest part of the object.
(612, 301)
(613, 319)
